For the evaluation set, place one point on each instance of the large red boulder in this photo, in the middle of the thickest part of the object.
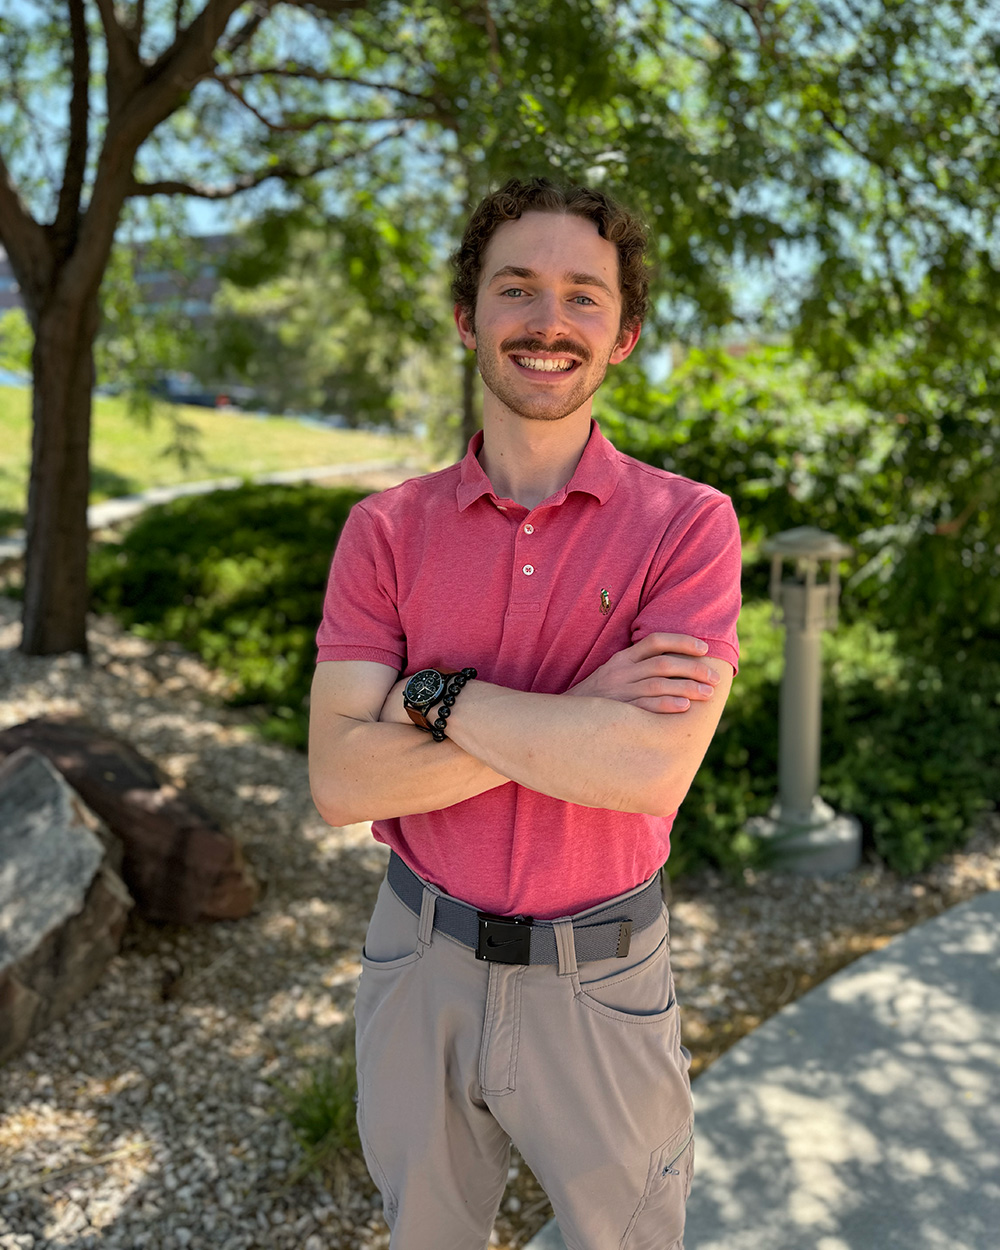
(178, 862)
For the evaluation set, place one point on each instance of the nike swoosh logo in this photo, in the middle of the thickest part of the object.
(491, 941)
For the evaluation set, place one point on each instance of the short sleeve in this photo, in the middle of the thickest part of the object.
(360, 616)
(694, 582)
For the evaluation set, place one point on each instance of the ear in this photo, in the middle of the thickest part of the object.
(465, 330)
(626, 342)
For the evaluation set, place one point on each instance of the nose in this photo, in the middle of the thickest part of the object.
(546, 318)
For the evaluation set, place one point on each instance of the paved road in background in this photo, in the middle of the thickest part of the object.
(112, 511)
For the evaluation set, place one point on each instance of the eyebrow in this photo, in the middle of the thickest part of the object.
(577, 279)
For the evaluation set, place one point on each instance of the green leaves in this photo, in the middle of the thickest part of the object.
(237, 576)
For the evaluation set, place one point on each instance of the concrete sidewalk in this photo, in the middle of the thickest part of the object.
(865, 1116)
(113, 511)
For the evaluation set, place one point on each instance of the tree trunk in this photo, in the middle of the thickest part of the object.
(55, 581)
(470, 397)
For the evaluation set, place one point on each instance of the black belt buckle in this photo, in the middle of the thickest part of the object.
(504, 939)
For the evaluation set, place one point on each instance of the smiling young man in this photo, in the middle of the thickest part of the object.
(522, 661)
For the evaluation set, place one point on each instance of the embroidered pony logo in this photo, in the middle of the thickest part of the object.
(605, 601)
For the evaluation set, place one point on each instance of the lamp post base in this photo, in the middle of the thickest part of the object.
(822, 844)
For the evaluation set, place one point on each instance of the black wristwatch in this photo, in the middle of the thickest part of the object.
(428, 687)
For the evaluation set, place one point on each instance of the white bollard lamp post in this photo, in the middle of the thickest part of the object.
(808, 835)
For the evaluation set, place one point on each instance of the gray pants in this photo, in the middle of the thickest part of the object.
(581, 1067)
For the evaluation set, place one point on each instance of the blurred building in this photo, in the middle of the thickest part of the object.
(188, 287)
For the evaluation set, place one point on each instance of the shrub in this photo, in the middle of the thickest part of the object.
(237, 576)
(914, 752)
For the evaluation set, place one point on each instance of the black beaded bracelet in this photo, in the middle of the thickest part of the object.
(455, 684)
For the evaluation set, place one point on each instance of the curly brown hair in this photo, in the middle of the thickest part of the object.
(614, 222)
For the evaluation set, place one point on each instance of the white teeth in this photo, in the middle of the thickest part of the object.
(546, 366)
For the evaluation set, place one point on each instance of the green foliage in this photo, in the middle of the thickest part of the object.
(750, 427)
(322, 1110)
(16, 341)
(913, 494)
(321, 315)
(912, 750)
(237, 576)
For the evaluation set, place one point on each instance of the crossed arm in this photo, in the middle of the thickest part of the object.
(610, 742)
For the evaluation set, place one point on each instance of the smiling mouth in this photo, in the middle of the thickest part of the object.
(538, 365)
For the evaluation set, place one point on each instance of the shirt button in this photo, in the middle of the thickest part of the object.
(529, 529)
(528, 570)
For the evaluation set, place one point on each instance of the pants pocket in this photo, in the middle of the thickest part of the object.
(658, 1220)
(641, 994)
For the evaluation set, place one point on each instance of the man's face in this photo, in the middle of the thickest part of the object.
(547, 315)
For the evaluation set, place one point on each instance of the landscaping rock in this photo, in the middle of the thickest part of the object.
(63, 906)
(178, 863)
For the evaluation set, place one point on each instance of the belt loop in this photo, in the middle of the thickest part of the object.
(425, 929)
(565, 947)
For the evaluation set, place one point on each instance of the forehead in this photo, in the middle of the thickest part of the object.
(552, 245)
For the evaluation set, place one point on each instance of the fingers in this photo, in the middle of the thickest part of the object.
(660, 644)
(675, 666)
(689, 691)
(663, 704)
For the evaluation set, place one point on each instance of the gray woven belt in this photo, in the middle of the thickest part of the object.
(602, 934)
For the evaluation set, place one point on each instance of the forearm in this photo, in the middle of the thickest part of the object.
(593, 751)
(369, 770)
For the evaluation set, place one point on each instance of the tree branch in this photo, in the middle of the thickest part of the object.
(124, 67)
(754, 9)
(135, 26)
(300, 127)
(28, 247)
(64, 227)
(703, 25)
(318, 75)
(247, 182)
(247, 31)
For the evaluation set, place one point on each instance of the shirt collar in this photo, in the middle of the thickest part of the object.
(596, 474)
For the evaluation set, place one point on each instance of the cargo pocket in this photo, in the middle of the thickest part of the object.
(658, 1221)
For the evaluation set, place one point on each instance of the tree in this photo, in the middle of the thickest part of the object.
(859, 129)
(214, 99)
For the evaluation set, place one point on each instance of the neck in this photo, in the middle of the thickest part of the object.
(528, 461)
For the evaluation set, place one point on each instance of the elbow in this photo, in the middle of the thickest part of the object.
(333, 802)
(663, 793)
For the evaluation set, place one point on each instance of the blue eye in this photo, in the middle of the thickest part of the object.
(577, 298)
(513, 290)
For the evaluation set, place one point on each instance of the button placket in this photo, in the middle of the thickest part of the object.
(526, 587)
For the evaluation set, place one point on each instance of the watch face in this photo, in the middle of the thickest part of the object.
(424, 687)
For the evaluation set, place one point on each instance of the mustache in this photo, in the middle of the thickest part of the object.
(564, 347)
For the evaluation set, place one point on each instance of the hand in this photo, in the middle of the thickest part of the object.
(658, 674)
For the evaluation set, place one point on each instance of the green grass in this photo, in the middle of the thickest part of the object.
(130, 454)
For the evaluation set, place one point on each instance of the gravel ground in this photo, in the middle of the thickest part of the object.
(152, 1116)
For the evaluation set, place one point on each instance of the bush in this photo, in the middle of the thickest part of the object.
(912, 751)
(907, 479)
(237, 576)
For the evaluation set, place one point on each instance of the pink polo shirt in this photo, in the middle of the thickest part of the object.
(440, 572)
